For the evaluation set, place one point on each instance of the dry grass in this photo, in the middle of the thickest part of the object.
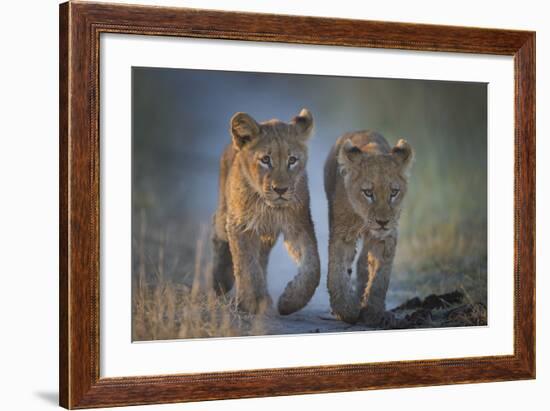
(467, 315)
(163, 309)
(448, 256)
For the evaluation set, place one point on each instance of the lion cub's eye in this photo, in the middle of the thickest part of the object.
(394, 192)
(292, 161)
(266, 160)
(369, 193)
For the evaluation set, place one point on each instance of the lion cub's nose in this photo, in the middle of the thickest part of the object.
(280, 190)
(382, 223)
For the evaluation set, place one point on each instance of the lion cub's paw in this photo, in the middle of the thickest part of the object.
(379, 319)
(258, 306)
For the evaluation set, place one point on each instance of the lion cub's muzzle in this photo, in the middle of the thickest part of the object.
(382, 228)
(382, 224)
(279, 195)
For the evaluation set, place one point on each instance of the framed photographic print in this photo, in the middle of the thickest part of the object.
(258, 205)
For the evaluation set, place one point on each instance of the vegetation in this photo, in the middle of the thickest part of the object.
(163, 309)
(180, 128)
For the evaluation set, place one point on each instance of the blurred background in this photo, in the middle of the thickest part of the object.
(181, 126)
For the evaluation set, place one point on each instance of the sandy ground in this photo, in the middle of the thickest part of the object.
(316, 317)
(310, 320)
(448, 310)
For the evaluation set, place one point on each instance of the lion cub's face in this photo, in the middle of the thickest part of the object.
(273, 155)
(376, 184)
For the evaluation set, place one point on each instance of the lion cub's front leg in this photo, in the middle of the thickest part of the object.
(250, 277)
(301, 244)
(343, 300)
(373, 278)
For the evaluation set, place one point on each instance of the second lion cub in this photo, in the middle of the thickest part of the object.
(365, 183)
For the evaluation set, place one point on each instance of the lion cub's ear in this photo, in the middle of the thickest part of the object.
(348, 156)
(303, 124)
(404, 155)
(349, 153)
(244, 129)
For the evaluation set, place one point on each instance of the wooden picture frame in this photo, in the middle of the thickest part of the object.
(80, 27)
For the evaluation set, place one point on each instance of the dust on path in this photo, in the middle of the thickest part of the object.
(444, 310)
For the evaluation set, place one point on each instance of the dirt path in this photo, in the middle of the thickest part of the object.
(308, 321)
(445, 310)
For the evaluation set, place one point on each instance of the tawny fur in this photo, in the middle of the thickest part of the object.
(251, 214)
(362, 174)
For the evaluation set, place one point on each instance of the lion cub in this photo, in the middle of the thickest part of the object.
(263, 193)
(365, 183)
